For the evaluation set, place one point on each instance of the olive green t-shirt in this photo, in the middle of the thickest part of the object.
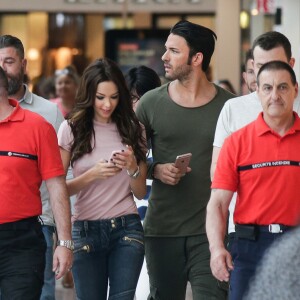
(180, 210)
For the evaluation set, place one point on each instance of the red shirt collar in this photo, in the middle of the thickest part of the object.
(17, 114)
(262, 127)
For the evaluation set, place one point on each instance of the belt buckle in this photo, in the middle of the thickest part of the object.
(275, 228)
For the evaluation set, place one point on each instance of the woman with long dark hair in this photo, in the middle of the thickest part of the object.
(104, 143)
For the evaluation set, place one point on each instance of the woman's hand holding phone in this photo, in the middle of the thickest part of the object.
(104, 169)
(124, 159)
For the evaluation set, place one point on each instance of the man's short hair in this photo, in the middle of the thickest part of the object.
(273, 39)
(277, 65)
(12, 41)
(198, 38)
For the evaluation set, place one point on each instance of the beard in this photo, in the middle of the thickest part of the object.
(15, 83)
(181, 73)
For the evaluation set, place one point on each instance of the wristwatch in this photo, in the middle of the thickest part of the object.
(69, 244)
(135, 174)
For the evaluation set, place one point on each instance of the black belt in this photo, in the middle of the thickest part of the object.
(23, 224)
(249, 231)
(274, 228)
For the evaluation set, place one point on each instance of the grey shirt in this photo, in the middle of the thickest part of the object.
(52, 114)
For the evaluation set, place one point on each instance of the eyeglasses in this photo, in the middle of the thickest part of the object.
(134, 98)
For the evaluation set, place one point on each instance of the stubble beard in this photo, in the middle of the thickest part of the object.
(181, 73)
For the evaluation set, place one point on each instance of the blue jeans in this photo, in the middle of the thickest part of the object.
(247, 255)
(107, 251)
(48, 291)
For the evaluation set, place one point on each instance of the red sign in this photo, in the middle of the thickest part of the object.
(265, 6)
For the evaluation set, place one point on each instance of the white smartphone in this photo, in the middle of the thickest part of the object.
(182, 161)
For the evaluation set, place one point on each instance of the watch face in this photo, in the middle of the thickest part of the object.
(68, 244)
(71, 245)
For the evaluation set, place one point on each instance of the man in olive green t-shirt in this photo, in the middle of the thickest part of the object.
(181, 117)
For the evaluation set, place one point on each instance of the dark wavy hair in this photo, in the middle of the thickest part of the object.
(81, 118)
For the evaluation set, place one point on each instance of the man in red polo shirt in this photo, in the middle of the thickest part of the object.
(262, 163)
(28, 154)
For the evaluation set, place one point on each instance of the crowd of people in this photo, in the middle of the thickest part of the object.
(73, 168)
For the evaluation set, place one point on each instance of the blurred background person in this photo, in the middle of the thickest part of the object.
(46, 88)
(249, 75)
(66, 84)
(227, 85)
(141, 80)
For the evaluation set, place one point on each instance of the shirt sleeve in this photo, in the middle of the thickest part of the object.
(65, 136)
(226, 174)
(59, 119)
(144, 114)
(222, 128)
(141, 113)
(49, 162)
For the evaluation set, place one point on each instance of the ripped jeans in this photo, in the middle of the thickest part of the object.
(108, 251)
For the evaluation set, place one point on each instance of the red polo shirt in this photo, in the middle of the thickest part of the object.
(264, 169)
(29, 153)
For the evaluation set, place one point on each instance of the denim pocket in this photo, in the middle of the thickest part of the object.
(82, 243)
(134, 225)
(134, 239)
(76, 233)
(134, 232)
